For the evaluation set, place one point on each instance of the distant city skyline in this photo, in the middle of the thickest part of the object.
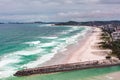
(58, 10)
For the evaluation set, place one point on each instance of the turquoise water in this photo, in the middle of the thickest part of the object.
(28, 45)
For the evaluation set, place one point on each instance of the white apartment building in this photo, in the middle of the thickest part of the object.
(116, 35)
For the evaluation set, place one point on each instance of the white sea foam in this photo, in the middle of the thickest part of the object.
(59, 47)
(74, 39)
(49, 44)
(28, 52)
(47, 57)
(6, 65)
(33, 43)
(7, 72)
(41, 60)
(50, 37)
(9, 59)
(71, 30)
(7, 62)
(47, 25)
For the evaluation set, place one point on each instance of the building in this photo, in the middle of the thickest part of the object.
(117, 28)
(109, 28)
(116, 35)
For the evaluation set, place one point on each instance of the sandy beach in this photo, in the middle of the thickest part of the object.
(89, 50)
(84, 50)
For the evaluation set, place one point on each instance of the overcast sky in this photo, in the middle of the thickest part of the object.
(59, 10)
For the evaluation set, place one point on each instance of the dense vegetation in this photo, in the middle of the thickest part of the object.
(116, 48)
(109, 44)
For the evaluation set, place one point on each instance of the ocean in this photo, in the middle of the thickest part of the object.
(29, 45)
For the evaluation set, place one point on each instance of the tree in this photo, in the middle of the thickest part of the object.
(116, 48)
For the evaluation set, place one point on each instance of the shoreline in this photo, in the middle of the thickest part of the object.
(62, 57)
(83, 50)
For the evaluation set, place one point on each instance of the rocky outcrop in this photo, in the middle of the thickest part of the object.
(68, 67)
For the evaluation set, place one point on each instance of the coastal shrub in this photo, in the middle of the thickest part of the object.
(105, 45)
(116, 48)
(109, 44)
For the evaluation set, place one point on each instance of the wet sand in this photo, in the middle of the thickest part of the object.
(113, 76)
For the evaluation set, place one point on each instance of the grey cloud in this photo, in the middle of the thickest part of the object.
(58, 10)
(110, 1)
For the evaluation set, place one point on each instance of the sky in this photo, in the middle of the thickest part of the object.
(58, 10)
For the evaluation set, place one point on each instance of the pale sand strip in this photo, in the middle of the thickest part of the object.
(86, 53)
(84, 50)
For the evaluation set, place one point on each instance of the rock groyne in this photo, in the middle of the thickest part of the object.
(68, 67)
